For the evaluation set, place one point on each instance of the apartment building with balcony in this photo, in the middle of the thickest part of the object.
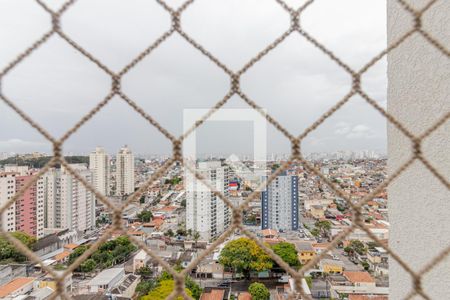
(7, 191)
(205, 212)
(68, 204)
(99, 164)
(30, 207)
(279, 204)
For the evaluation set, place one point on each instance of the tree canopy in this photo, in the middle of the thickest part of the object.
(9, 252)
(356, 246)
(145, 216)
(258, 291)
(190, 284)
(244, 255)
(108, 254)
(163, 290)
(323, 227)
(287, 252)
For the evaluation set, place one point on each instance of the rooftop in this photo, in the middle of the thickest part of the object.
(356, 276)
(304, 246)
(14, 285)
(214, 294)
(105, 276)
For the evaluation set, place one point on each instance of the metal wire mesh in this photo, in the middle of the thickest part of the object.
(234, 89)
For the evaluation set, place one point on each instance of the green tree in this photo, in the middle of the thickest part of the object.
(193, 287)
(145, 216)
(88, 266)
(244, 255)
(163, 290)
(144, 287)
(76, 253)
(323, 227)
(181, 232)
(315, 232)
(358, 246)
(144, 271)
(258, 291)
(196, 237)
(9, 252)
(287, 252)
(349, 250)
(169, 233)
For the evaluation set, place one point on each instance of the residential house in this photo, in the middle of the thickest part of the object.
(305, 251)
(17, 287)
(356, 282)
(317, 212)
(331, 266)
(140, 260)
(215, 293)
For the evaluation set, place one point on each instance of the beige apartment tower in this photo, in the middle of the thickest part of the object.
(124, 172)
(100, 166)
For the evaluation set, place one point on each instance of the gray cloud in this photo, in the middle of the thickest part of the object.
(296, 82)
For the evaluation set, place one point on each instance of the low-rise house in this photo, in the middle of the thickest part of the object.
(17, 287)
(305, 251)
(317, 212)
(215, 293)
(140, 260)
(331, 266)
(209, 268)
(9, 272)
(320, 247)
(62, 257)
(244, 296)
(126, 287)
(356, 282)
(376, 256)
(40, 294)
(49, 282)
(106, 280)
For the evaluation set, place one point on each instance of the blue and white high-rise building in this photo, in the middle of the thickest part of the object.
(279, 204)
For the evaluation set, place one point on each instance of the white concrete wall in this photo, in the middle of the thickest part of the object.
(418, 94)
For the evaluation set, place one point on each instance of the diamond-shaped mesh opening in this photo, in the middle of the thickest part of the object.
(234, 89)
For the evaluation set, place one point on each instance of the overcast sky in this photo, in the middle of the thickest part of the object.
(296, 82)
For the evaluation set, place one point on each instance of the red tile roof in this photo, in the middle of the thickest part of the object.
(356, 276)
(213, 295)
(245, 296)
(14, 285)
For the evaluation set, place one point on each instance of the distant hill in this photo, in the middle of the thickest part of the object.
(41, 161)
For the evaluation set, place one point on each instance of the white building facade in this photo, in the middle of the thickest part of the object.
(124, 172)
(7, 191)
(68, 204)
(279, 204)
(99, 164)
(205, 212)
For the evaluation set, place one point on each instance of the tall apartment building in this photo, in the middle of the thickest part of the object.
(68, 204)
(279, 204)
(124, 172)
(30, 206)
(99, 165)
(21, 170)
(7, 191)
(205, 212)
